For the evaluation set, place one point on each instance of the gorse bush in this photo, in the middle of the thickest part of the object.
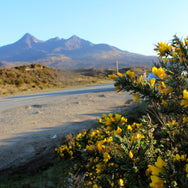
(150, 152)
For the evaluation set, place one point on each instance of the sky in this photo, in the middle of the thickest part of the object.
(131, 25)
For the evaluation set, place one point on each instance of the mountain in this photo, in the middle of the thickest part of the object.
(69, 53)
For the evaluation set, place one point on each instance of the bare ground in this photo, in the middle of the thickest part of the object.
(30, 133)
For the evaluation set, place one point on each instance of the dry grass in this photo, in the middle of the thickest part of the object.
(36, 77)
(29, 78)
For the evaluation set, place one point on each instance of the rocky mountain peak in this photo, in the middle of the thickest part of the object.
(75, 42)
(28, 40)
(54, 39)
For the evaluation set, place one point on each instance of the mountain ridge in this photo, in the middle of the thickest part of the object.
(70, 53)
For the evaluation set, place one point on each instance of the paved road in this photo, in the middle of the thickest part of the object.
(7, 103)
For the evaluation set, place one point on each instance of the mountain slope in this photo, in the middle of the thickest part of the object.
(69, 53)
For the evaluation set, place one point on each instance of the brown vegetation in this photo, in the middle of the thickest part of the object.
(36, 77)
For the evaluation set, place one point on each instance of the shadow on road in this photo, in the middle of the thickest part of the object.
(33, 151)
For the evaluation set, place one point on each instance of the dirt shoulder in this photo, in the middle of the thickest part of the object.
(33, 131)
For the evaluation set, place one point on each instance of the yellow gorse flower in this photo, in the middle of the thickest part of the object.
(184, 101)
(129, 128)
(183, 157)
(117, 117)
(130, 74)
(136, 97)
(118, 131)
(185, 119)
(163, 48)
(179, 158)
(155, 170)
(136, 136)
(90, 147)
(156, 182)
(186, 168)
(106, 157)
(123, 120)
(140, 79)
(152, 82)
(119, 74)
(160, 72)
(148, 170)
(160, 89)
(131, 154)
(95, 186)
(164, 103)
(121, 182)
(172, 123)
(118, 89)
(160, 163)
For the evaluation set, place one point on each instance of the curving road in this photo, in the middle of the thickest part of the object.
(18, 101)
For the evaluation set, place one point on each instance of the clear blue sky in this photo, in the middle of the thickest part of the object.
(132, 25)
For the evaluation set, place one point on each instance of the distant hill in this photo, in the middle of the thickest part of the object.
(37, 77)
(72, 53)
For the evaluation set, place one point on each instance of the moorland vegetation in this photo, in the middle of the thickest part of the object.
(147, 152)
(37, 77)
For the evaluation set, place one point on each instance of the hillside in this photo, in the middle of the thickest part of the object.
(72, 53)
(37, 77)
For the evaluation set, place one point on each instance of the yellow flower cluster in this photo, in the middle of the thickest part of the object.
(115, 77)
(156, 171)
(80, 135)
(106, 157)
(177, 50)
(157, 182)
(160, 72)
(113, 119)
(130, 74)
(179, 158)
(136, 136)
(163, 88)
(119, 75)
(163, 48)
(101, 148)
(62, 150)
(136, 97)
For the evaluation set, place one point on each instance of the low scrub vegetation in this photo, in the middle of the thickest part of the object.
(36, 77)
(147, 152)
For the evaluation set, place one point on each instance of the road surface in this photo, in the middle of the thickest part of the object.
(22, 100)
(31, 126)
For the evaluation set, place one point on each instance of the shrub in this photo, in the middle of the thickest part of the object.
(151, 151)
